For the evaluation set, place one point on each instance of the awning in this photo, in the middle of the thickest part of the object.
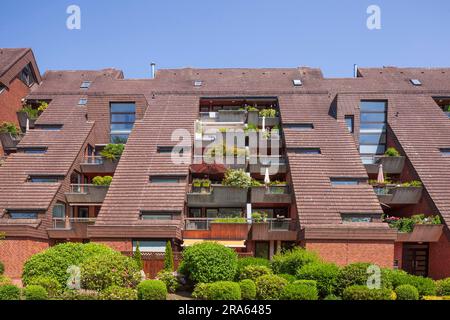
(226, 243)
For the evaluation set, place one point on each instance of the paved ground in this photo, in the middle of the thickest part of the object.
(182, 295)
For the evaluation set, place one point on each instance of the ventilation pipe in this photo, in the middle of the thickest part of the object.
(153, 66)
(355, 71)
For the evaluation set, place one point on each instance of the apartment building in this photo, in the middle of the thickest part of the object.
(312, 149)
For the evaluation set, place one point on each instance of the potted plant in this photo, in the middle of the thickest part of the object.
(102, 181)
(392, 152)
(9, 135)
(206, 186)
(196, 185)
(237, 178)
(259, 217)
(27, 113)
(112, 151)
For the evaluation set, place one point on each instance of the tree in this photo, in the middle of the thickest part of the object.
(137, 256)
(168, 258)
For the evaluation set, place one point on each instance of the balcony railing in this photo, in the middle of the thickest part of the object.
(9, 141)
(98, 164)
(223, 116)
(205, 223)
(216, 228)
(271, 194)
(93, 160)
(218, 195)
(398, 195)
(275, 229)
(86, 193)
(391, 165)
(70, 223)
(275, 164)
(70, 228)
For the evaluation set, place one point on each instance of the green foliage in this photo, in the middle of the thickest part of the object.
(168, 258)
(30, 111)
(152, 290)
(253, 272)
(443, 287)
(205, 183)
(361, 292)
(51, 285)
(55, 261)
(2, 268)
(222, 150)
(118, 293)
(332, 297)
(237, 178)
(251, 261)
(413, 183)
(102, 271)
(79, 295)
(9, 292)
(312, 283)
(4, 280)
(137, 257)
(407, 224)
(268, 113)
(102, 181)
(9, 127)
(299, 291)
(35, 292)
(324, 273)
(248, 289)
(251, 127)
(287, 277)
(269, 287)
(201, 291)
(291, 260)
(407, 292)
(357, 274)
(112, 151)
(224, 290)
(209, 262)
(230, 220)
(425, 286)
(42, 106)
(259, 216)
(392, 152)
(169, 279)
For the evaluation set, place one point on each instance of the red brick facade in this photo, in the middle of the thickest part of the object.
(439, 258)
(119, 245)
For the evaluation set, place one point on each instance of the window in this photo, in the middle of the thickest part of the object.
(82, 101)
(198, 83)
(27, 76)
(49, 127)
(167, 179)
(359, 217)
(349, 121)
(297, 82)
(23, 215)
(2, 88)
(150, 245)
(59, 213)
(445, 151)
(299, 126)
(45, 179)
(123, 115)
(224, 213)
(155, 215)
(85, 84)
(34, 150)
(416, 82)
(372, 140)
(305, 150)
(344, 181)
(165, 149)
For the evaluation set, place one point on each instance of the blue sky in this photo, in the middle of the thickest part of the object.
(130, 34)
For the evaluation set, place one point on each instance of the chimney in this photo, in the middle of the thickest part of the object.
(355, 71)
(153, 66)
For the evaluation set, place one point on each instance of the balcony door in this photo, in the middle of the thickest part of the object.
(415, 259)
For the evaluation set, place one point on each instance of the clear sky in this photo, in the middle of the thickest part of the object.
(330, 34)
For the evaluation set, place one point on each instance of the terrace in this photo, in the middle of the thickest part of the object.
(98, 165)
(86, 194)
(401, 194)
(70, 228)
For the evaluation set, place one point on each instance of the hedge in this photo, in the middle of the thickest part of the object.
(35, 292)
(251, 261)
(209, 262)
(2, 268)
(425, 286)
(325, 274)
(169, 279)
(407, 292)
(355, 274)
(362, 292)
(224, 290)
(200, 291)
(253, 272)
(79, 295)
(248, 289)
(118, 293)
(4, 280)
(152, 290)
(443, 287)
(9, 292)
(51, 285)
(269, 287)
(299, 291)
(288, 277)
(292, 260)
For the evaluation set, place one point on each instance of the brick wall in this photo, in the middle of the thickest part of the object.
(15, 252)
(119, 245)
(439, 258)
(345, 252)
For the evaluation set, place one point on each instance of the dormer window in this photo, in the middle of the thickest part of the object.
(48, 127)
(416, 82)
(297, 82)
(19, 214)
(85, 84)
(44, 178)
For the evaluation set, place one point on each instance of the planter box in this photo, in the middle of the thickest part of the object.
(270, 122)
(422, 233)
(392, 165)
(9, 142)
(88, 194)
(253, 117)
(272, 194)
(401, 195)
(231, 116)
(220, 231)
(220, 196)
(23, 117)
(102, 166)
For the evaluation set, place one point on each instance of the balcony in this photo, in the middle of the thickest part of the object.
(271, 194)
(217, 196)
(255, 119)
(9, 141)
(398, 195)
(23, 117)
(275, 164)
(86, 194)
(275, 229)
(70, 228)
(391, 165)
(216, 228)
(98, 164)
(422, 233)
(234, 116)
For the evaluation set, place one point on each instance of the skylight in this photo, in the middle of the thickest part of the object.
(82, 102)
(297, 82)
(85, 84)
(198, 83)
(416, 82)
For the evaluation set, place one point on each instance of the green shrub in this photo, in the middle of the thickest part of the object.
(9, 127)
(253, 272)
(152, 290)
(392, 152)
(311, 283)
(332, 297)
(79, 295)
(248, 289)
(237, 178)
(102, 271)
(201, 291)
(31, 113)
(443, 287)
(269, 287)
(51, 285)
(169, 279)
(425, 286)
(112, 151)
(2, 268)
(102, 181)
(4, 280)
(137, 257)
(290, 261)
(268, 113)
(209, 262)
(356, 274)
(299, 291)
(118, 293)
(9, 292)
(224, 290)
(35, 292)
(362, 292)
(324, 273)
(169, 265)
(407, 292)
(287, 277)
(54, 261)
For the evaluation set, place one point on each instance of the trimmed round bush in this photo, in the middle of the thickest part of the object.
(325, 274)
(292, 260)
(248, 289)
(425, 286)
(169, 279)
(288, 277)
(2, 268)
(118, 293)
(4, 280)
(251, 261)
(443, 287)
(152, 290)
(361, 292)
(355, 274)
(54, 261)
(209, 262)
(9, 292)
(102, 271)
(224, 290)
(299, 291)
(311, 283)
(201, 291)
(35, 292)
(253, 272)
(332, 297)
(269, 287)
(407, 292)
(51, 285)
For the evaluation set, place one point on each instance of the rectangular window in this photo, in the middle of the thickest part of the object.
(169, 149)
(372, 140)
(82, 102)
(123, 116)
(349, 121)
(85, 84)
(299, 126)
(373, 106)
(445, 151)
(49, 127)
(2, 88)
(305, 150)
(150, 245)
(359, 217)
(44, 179)
(156, 215)
(344, 181)
(167, 179)
(23, 215)
(34, 150)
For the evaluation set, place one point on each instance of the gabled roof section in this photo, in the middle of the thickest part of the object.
(13, 60)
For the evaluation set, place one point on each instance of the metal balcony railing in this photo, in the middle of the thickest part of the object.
(93, 160)
(68, 223)
(275, 224)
